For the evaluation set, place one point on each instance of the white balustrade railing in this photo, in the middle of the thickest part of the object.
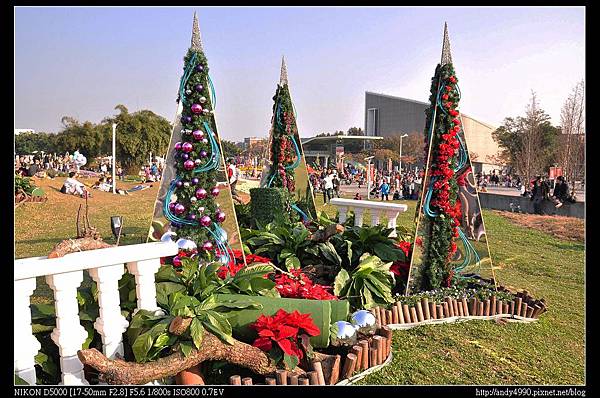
(64, 275)
(358, 207)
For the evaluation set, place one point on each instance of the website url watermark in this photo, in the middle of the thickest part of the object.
(530, 392)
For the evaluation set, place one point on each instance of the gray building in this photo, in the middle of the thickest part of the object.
(387, 115)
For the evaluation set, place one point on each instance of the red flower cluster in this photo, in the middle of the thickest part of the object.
(405, 246)
(283, 329)
(238, 263)
(301, 287)
(401, 268)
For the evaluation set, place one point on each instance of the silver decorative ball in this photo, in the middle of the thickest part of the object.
(186, 244)
(188, 92)
(197, 162)
(168, 236)
(186, 184)
(346, 334)
(206, 111)
(193, 199)
(202, 100)
(364, 322)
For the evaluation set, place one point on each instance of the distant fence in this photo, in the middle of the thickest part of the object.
(525, 205)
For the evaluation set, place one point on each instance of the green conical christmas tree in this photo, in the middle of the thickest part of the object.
(437, 259)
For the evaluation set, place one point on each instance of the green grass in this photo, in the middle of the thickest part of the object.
(550, 351)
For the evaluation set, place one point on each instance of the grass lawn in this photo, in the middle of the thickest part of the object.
(550, 351)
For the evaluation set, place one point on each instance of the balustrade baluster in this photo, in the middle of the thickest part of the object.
(26, 346)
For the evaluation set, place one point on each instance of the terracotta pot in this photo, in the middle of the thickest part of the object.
(190, 377)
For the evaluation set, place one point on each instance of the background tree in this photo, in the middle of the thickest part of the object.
(230, 149)
(572, 148)
(412, 148)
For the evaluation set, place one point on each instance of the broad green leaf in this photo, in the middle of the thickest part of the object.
(260, 284)
(167, 273)
(341, 280)
(328, 251)
(161, 340)
(141, 346)
(252, 271)
(46, 363)
(219, 325)
(164, 289)
(387, 253)
(41, 311)
(189, 268)
(292, 262)
(197, 332)
(290, 361)
(186, 348)
(285, 253)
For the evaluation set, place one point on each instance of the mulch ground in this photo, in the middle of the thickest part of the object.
(566, 228)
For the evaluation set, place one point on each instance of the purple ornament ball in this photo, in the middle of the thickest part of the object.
(195, 181)
(179, 208)
(208, 245)
(215, 191)
(187, 147)
(185, 156)
(199, 88)
(186, 119)
(179, 184)
(203, 153)
(205, 221)
(191, 216)
(196, 108)
(220, 216)
(188, 164)
(201, 193)
(199, 68)
(177, 261)
(178, 146)
(172, 206)
(198, 134)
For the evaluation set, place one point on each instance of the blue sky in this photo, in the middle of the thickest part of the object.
(82, 62)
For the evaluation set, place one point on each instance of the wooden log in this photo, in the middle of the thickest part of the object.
(524, 310)
(536, 311)
(465, 306)
(319, 369)
(364, 344)
(270, 381)
(433, 310)
(459, 306)
(419, 311)
(378, 345)
(395, 319)
(401, 319)
(499, 306)
(334, 373)
(530, 312)
(293, 380)
(493, 306)
(518, 306)
(314, 378)
(247, 381)
(487, 307)
(505, 308)
(407, 318)
(413, 315)
(450, 307)
(378, 316)
(425, 305)
(389, 317)
(480, 310)
(387, 335)
(440, 311)
(473, 306)
(235, 380)
(512, 308)
(372, 356)
(281, 376)
(358, 351)
(455, 305)
(349, 366)
(303, 381)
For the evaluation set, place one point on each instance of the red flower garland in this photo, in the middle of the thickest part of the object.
(301, 287)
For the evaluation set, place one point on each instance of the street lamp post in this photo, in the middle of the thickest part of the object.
(400, 168)
(368, 159)
(114, 158)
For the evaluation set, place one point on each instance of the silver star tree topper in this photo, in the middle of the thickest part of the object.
(196, 38)
(283, 78)
(446, 55)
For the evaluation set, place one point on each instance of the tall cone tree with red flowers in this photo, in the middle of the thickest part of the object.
(439, 214)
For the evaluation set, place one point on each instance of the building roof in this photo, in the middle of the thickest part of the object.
(426, 104)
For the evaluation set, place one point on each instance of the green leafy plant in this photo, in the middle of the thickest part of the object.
(191, 293)
(369, 284)
(23, 184)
